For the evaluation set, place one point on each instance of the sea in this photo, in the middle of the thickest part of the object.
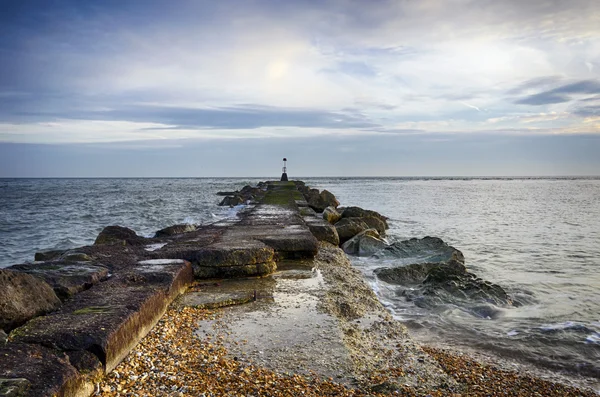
(538, 238)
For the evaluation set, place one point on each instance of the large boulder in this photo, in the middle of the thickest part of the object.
(320, 201)
(118, 235)
(48, 255)
(323, 231)
(375, 223)
(22, 297)
(365, 243)
(331, 215)
(65, 277)
(231, 201)
(175, 229)
(357, 212)
(432, 284)
(350, 227)
(427, 249)
(414, 273)
(456, 282)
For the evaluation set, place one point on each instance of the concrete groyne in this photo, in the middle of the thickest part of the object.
(288, 300)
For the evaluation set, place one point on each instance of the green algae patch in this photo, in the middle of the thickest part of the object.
(283, 194)
(94, 310)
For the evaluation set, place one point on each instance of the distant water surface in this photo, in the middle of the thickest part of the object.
(537, 238)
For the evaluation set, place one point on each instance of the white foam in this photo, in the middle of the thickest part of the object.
(188, 220)
(161, 261)
(567, 325)
(593, 338)
(513, 332)
(154, 247)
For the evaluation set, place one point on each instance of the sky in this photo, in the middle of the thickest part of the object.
(188, 88)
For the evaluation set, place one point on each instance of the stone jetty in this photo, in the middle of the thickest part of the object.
(289, 313)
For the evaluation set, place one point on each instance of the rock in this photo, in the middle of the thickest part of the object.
(307, 212)
(249, 192)
(433, 284)
(320, 201)
(120, 235)
(109, 319)
(331, 215)
(357, 212)
(3, 338)
(349, 227)
(31, 370)
(175, 229)
(48, 255)
(323, 231)
(14, 387)
(227, 193)
(328, 199)
(22, 297)
(375, 223)
(75, 257)
(427, 249)
(365, 243)
(254, 259)
(456, 281)
(66, 278)
(232, 201)
(415, 273)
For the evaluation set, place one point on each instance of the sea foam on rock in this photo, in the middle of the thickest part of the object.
(432, 284)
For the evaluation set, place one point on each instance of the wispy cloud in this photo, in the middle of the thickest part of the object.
(562, 94)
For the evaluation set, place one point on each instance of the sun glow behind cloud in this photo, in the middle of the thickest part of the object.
(84, 72)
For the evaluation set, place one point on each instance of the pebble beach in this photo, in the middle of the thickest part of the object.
(173, 361)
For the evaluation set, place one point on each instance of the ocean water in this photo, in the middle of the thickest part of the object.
(537, 238)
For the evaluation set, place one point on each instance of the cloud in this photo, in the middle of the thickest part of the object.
(248, 116)
(561, 94)
(535, 84)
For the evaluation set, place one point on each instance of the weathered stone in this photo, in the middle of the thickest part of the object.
(307, 212)
(365, 243)
(414, 273)
(175, 229)
(320, 201)
(118, 235)
(31, 370)
(254, 270)
(48, 255)
(3, 336)
(227, 193)
(221, 255)
(460, 284)
(75, 257)
(357, 212)
(331, 215)
(109, 319)
(231, 201)
(299, 244)
(66, 278)
(427, 249)
(375, 223)
(22, 297)
(349, 227)
(16, 387)
(323, 231)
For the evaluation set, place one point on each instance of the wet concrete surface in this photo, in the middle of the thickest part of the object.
(283, 329)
